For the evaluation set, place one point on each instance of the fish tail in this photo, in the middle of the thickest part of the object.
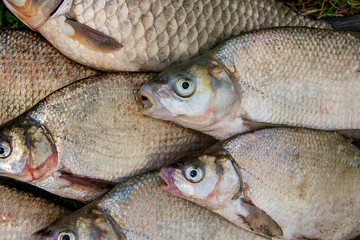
(347, 23)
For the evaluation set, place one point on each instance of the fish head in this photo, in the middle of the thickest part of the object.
(198, 94)
(27, 151)
(209, 180)
(33, 12)
(85, 224)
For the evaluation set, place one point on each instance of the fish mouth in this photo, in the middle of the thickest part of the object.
(147, 99)
(169, 182)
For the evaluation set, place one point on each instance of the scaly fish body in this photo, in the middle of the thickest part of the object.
(139, 209)
(285, 183)
(23, 213)
(300, 77)
(84, 138)
(126, 35)
(30, 70)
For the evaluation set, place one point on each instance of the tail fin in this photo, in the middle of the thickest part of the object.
(347, 23)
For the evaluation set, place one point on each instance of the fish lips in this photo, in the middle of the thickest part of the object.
(152, 105)
(169, 186)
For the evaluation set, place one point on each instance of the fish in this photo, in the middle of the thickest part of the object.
(286, 183)
(83, 139)
(148, 35)
(300, 77)
(23, 213)
(31, 69)
(139, 209)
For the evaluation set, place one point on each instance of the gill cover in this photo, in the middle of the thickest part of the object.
(27, 151)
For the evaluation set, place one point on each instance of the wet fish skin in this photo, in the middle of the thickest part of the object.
(151, 35)
(23, 213)
(90, 135)
(139, 209)
(282, 182)
(301, 77)
(31, 68)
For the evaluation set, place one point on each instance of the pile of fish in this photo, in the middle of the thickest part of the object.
(141, 148)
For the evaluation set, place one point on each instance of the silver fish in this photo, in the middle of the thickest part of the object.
(23, 213)
(284, 183)
(83, 139)
(31, 69)
(133, 35)
(139, 209)
(301, 77)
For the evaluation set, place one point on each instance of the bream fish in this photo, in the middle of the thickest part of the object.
(301, 77)
(30, 69)
(23, 213)
(280, 182)
(139, 209)
(128, 35)
(86, 137)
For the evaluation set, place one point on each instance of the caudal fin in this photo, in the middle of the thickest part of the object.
(347, 23)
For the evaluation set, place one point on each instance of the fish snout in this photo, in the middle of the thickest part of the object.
(33, 13)
(147, 99)
(169, 182)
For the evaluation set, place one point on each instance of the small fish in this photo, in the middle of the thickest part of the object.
(31, 69)
(138, 209)
(301, 77)
(279, 182)
(148, 35)
(23, 213)
(84, 138)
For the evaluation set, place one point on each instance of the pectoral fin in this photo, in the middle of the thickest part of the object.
(94, 38)
(259, 221)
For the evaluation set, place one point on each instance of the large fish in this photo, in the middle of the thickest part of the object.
(139, 209)
(286, 183)
(81, 140)
(23, 213)
(134, 35)
(30, 69)
(300, 77)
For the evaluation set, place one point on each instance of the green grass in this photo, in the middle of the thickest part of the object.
(8, 20)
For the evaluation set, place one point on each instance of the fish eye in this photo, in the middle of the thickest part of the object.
(184, 87)
(66, 235)
(194, 173)
(5, 149)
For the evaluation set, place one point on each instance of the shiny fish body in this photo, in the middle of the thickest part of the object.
(22, 213)
(148, 35)
(30, 69)
(139, 209)
(282, 182)
(301, 77)
(90, 135)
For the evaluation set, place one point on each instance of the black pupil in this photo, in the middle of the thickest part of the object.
(2, 150)
(185, 85)
(193, 173)
(65, 237)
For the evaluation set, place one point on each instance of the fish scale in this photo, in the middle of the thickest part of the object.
(19, 209)
(98, 132)
(324, 172)
(286, 183)
(30, 70)
(138, 209)
(292, 76)
(334, 87)
(154, 34)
